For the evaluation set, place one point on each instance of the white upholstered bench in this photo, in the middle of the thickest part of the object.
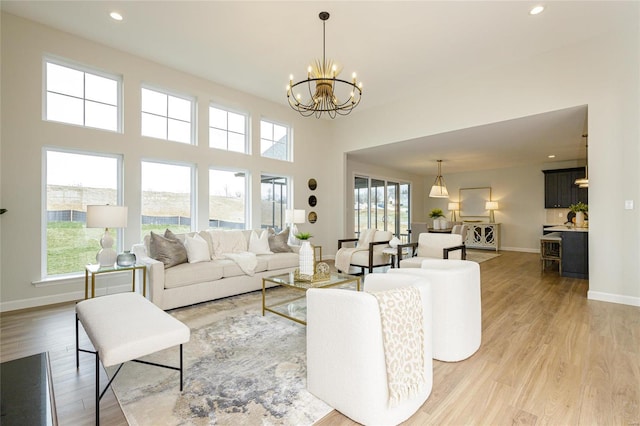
(123, 327)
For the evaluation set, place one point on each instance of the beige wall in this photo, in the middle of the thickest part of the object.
(24, 134)
(602, 73)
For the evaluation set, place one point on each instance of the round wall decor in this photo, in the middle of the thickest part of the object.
(313, 217)
(312, 184)
(313, 200)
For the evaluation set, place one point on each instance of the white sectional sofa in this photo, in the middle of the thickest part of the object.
(201, 279)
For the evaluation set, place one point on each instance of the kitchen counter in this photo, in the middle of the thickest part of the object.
(565, 228)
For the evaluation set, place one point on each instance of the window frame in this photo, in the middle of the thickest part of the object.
(62, 62)
(193, 127)
(289, 145)
(287, 205)
(44, 219)
(247, 192)
(247, 127)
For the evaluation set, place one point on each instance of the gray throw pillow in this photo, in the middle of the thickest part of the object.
(169, 251)
(278, 242)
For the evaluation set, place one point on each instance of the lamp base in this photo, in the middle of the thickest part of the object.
(106, 257)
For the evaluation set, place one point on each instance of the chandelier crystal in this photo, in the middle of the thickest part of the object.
(322, 91)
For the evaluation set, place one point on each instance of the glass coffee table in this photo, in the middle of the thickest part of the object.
(294, 307)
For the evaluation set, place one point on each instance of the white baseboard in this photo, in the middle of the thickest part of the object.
(613, 298)
(520, 249)
(73, 296)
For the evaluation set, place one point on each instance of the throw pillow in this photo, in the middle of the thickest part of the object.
(197, 249)
(278, 242)
(168, 251)
(259, 244)
(394, 242)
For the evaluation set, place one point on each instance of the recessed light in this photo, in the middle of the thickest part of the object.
(551, 156)
(116, 16)
(536, 10)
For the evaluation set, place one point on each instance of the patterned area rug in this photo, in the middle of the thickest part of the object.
(480, 256)
(240, 368)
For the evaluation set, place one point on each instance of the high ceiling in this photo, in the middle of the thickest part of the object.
(254, 46)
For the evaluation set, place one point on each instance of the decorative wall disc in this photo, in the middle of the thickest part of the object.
(313, 200)
(313, 184)
(313, 217)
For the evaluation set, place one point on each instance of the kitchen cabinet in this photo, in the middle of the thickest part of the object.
(560, 191)
(575, 251)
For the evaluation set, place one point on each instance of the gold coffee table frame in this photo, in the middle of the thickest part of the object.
(283, 308)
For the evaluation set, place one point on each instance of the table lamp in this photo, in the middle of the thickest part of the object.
(293, 217)
(106, 217)
(453, 207)
(491, 206)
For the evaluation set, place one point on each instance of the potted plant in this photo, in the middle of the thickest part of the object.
(437, 215)
(305, 254)
(579, 209)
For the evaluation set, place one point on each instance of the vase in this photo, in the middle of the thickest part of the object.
(306, 258)
(579, 219)
(436, 223)
(126, 259)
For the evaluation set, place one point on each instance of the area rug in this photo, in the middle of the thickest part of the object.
(480, 256)
(240, 368)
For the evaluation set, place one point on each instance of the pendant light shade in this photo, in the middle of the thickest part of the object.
(584, 182)
(439, 189)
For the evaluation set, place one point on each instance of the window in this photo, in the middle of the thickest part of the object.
(274, 194)
(274, 140)
(227, 199)
(74, 180)
(168, 117)
(381, 204)
(166, 197)
(75, 95)
(227, 130)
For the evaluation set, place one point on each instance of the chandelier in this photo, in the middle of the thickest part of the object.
(322, 89)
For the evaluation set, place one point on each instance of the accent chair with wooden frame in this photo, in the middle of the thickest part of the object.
(432, 246)
(371, 257)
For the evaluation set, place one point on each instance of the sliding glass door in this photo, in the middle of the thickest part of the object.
(381, 204)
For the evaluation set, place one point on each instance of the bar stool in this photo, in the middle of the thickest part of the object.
(551, 250)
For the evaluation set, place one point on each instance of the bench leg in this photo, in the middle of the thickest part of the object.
(77, 347)
(97, 389)
(181, 367)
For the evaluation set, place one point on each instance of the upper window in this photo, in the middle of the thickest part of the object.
(74, 180)
(75, 95)
(227, 130)
(274, 140)
(168, 117)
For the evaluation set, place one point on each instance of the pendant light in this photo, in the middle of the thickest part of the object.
(439, 189)
(584, 182)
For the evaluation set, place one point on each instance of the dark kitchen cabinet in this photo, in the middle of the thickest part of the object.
(560, 191)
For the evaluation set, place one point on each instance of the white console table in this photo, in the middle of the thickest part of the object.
(483, 235)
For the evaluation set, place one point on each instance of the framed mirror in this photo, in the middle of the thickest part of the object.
(312, 184)
(472, 201)
(313, 201)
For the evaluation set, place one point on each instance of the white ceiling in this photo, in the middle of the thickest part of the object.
(254, 46)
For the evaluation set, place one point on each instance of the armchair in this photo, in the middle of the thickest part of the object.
(352, 376)
(367, 252)
(433, 246)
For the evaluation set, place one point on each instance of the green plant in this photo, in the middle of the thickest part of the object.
(303, 235)
(579, 207)
(436, 213)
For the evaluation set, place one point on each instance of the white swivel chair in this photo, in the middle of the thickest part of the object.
(433, 246)
(345, 355)
(457, 306)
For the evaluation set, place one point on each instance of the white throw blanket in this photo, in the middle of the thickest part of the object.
(247, 261)
(343, 256)
(403, 341)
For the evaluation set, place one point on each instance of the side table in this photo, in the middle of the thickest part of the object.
(97, 269)
(392, 252)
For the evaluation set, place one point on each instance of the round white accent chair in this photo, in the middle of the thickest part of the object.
(457, 308)
(345, 353)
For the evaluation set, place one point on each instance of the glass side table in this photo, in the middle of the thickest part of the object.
(97, 269)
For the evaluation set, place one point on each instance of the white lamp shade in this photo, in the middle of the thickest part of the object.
(106, 216)
(453, 206)
(438, 191)
(295, 216)
(491, 205)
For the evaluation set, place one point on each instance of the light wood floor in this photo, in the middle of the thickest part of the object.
(548, 356)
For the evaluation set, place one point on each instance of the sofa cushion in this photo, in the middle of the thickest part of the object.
(361, 258)
(278, 243)
(259, 243)
(193, 273)
(232, 241)
(197, 249)
(280, 260)
(171, 252)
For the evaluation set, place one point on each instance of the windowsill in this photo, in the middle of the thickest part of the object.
(59, 280)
